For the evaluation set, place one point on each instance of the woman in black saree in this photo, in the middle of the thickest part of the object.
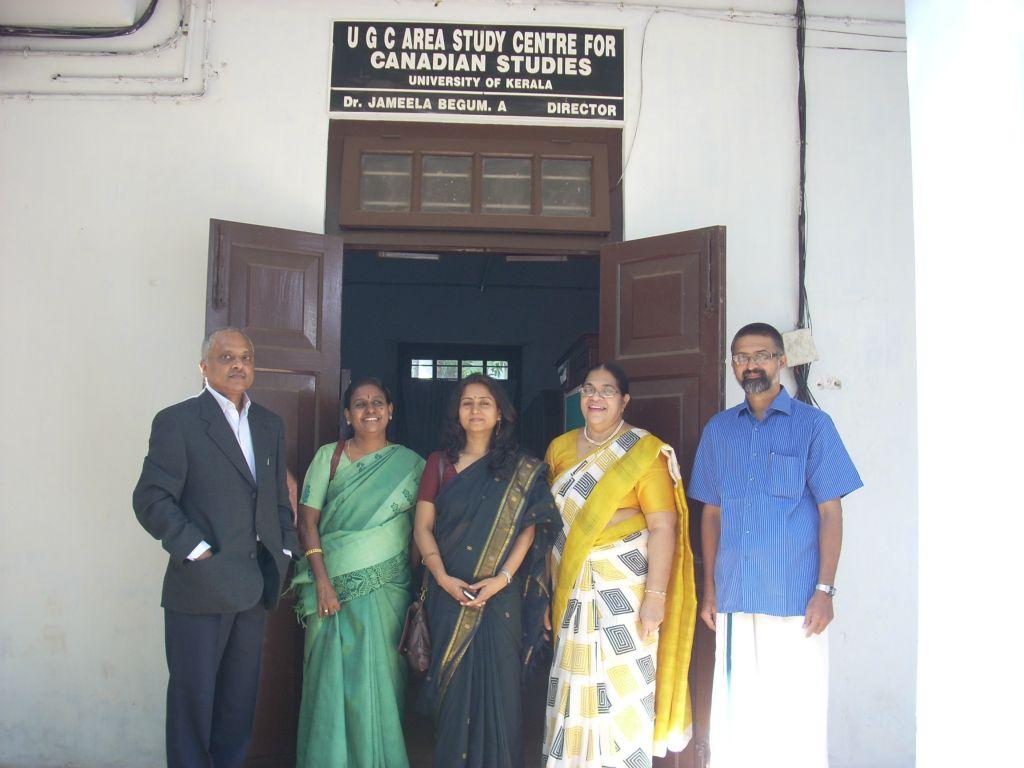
(485, 521)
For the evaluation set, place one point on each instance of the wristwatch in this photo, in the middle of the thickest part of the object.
(828, 589)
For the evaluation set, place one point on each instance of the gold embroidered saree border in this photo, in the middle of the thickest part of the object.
(673, 722)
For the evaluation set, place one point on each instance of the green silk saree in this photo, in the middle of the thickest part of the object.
(354, 679)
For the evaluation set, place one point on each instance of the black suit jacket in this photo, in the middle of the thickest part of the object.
(195, 486)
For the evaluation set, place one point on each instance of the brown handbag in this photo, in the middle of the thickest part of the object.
(415, 642)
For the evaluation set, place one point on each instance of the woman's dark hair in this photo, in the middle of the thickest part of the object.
(363, 381)
(621, 379)
(503, 439)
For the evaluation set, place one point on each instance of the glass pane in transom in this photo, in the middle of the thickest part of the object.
(446, 184)
(565, 187)
(506, 185)
(472, 366)
(385, 182)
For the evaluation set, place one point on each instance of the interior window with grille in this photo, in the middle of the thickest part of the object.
(497, 369)
(448, 369)
(422, 369)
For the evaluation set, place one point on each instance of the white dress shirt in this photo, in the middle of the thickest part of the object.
(239, 424)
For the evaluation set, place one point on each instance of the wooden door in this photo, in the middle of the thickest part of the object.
(662, 321)
(283, 288)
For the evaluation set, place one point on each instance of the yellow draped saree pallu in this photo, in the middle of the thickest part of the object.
(615, 699)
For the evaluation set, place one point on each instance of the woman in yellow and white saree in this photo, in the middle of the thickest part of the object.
(624, 604)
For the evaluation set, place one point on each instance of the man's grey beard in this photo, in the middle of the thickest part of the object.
(756, 385)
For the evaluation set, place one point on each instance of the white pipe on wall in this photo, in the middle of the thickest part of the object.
(185, 28)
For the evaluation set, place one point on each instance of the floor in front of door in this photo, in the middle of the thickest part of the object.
(419, 739)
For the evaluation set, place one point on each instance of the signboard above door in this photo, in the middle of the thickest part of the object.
(477, 69)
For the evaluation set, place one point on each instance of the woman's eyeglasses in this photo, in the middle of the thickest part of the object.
(589, 390)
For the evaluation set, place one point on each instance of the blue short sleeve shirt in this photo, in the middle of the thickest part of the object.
(769, 477)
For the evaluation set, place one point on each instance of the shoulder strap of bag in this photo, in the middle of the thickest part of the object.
(336, 457)
(441, 459)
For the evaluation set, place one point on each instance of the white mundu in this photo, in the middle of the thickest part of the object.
(770, 693)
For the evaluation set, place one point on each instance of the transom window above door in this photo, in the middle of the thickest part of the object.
(467, 184)
(429, 185)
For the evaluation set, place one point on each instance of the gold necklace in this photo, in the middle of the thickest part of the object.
(601, 444)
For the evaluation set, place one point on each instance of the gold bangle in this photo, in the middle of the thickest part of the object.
(656, 592)
(314, 551)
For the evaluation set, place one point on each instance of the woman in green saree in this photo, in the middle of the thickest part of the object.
(353, 590)
(485, 521)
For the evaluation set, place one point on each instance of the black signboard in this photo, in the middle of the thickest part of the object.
(477, 69)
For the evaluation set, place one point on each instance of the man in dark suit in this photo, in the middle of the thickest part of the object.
(213, 491)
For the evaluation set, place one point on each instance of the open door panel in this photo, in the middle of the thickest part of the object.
(663, 321)
(283, 288)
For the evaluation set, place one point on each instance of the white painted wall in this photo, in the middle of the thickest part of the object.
(966, 73)
(724, 151)
(104, 210)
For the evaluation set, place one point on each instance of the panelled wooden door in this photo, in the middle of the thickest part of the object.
(662, 321)
(283, 288)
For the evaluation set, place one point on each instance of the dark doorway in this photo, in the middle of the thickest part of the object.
(440, 316)
(459, 312)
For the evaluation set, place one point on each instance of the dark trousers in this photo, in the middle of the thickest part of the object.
(214, 665)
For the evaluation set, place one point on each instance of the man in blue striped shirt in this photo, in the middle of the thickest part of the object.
(771, 473)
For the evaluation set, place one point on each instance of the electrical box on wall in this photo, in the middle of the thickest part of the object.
(799, 346)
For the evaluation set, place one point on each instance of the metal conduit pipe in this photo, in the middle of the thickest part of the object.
(169, 42)
(80, 33)
(185, 27)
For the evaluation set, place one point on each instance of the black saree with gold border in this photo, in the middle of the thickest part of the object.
(473, 686)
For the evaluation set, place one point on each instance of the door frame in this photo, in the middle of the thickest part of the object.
(496, 241)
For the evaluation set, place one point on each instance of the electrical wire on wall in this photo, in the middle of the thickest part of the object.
(802, 373)
(80, 33)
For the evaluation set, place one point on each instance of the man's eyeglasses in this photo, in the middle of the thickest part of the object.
(589, 390)
(760, 357)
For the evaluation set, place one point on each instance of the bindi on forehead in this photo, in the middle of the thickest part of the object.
(368, 393)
